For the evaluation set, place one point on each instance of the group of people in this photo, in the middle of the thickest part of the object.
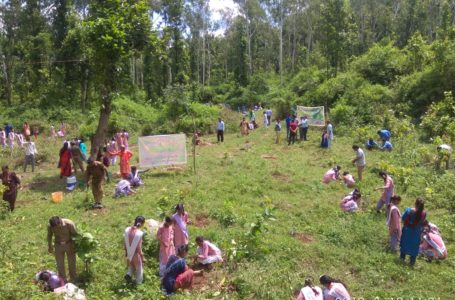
(334, 289)
(385, 136)
(409, 233)
(173, 238)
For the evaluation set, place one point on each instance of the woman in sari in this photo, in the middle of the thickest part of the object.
(310, 292)
(165, 235)
(393, 222)
(64, 162)
(177, 274)
(244, 129)
(12, 184)
(351, 202)
(413, 220)
(331, 175)
(387, 190)
(334, 289)
(180, 231)
(432, 246)
(324, 139)
(125, 156)
(133, 250)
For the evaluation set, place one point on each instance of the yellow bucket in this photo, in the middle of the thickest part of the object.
(57, 197)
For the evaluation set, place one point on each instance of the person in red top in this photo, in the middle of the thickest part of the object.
(293, 127)
(125, 156)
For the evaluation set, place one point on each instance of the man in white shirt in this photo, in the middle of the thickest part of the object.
(30, 152)
(220, 130)
(303, 126)
(269, 115)
(359, 160)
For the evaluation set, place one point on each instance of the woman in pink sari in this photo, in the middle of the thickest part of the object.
(432, 246)
(348, 180)
(180, 231)
(165, 236)
(64, 162)
(331, 175)
(394, 223)
(133, 250)
(387, 190)
(351, 202)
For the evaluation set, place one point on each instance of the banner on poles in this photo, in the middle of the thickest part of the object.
(315, 115)
(162, 150)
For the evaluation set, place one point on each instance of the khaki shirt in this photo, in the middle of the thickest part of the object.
(62, 234)
(77, 154)
(96, 171)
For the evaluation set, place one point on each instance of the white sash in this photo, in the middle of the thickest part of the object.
(433, 244)
(181, 224)
(214, 248)
(131, 249)
(390, 214)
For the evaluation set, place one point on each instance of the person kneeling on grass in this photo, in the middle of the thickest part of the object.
(177, 274)
(207, 253)
(310, 292)
(123, 188)
(134, 178)
(351, 202)
(348, 180)
(432, 246)
(49, 280)
(331, 175)
(334, 289)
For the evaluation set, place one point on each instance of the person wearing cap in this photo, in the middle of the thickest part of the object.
(96, 172)
(63, 231)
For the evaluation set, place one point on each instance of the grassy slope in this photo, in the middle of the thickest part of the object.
(347, 246)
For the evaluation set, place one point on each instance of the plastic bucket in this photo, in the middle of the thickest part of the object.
(57, 197)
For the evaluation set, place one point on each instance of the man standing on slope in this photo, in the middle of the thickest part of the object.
(96, 171)
(220, 130)
(359, 160)
(63, 231)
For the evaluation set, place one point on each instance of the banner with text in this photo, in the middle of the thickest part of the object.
(162, 150)
(315, 115)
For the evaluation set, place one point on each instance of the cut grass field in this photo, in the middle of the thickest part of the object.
(305, 233)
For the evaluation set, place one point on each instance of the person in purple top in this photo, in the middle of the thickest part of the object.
(49, 280)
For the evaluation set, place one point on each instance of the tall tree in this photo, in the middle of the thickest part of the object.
(115, 28)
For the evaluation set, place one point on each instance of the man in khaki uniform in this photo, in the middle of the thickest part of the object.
(63, 231)
(78, 157)
(96, 171)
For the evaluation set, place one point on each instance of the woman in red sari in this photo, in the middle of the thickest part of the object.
(125, 156)
(65, 161)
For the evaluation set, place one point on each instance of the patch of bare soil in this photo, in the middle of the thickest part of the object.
(280, 176)
(303, 237)
(201, 220)
(267, 156)
(36, 185)
(175, 169)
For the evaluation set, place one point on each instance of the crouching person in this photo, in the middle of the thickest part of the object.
(177, 274)
(207, 253)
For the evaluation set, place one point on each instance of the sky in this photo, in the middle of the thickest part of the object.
(216, 6)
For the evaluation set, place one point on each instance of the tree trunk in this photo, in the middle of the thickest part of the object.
(103, 123)
(281, 44)
(84, 86)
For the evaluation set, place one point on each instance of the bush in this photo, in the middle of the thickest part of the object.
(439, 120)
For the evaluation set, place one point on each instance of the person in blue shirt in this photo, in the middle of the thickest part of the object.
(8, 129)
(220, 130)
(83, 149)
(371, 144)
(387, 146)
(288, 124)
(384, 134)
